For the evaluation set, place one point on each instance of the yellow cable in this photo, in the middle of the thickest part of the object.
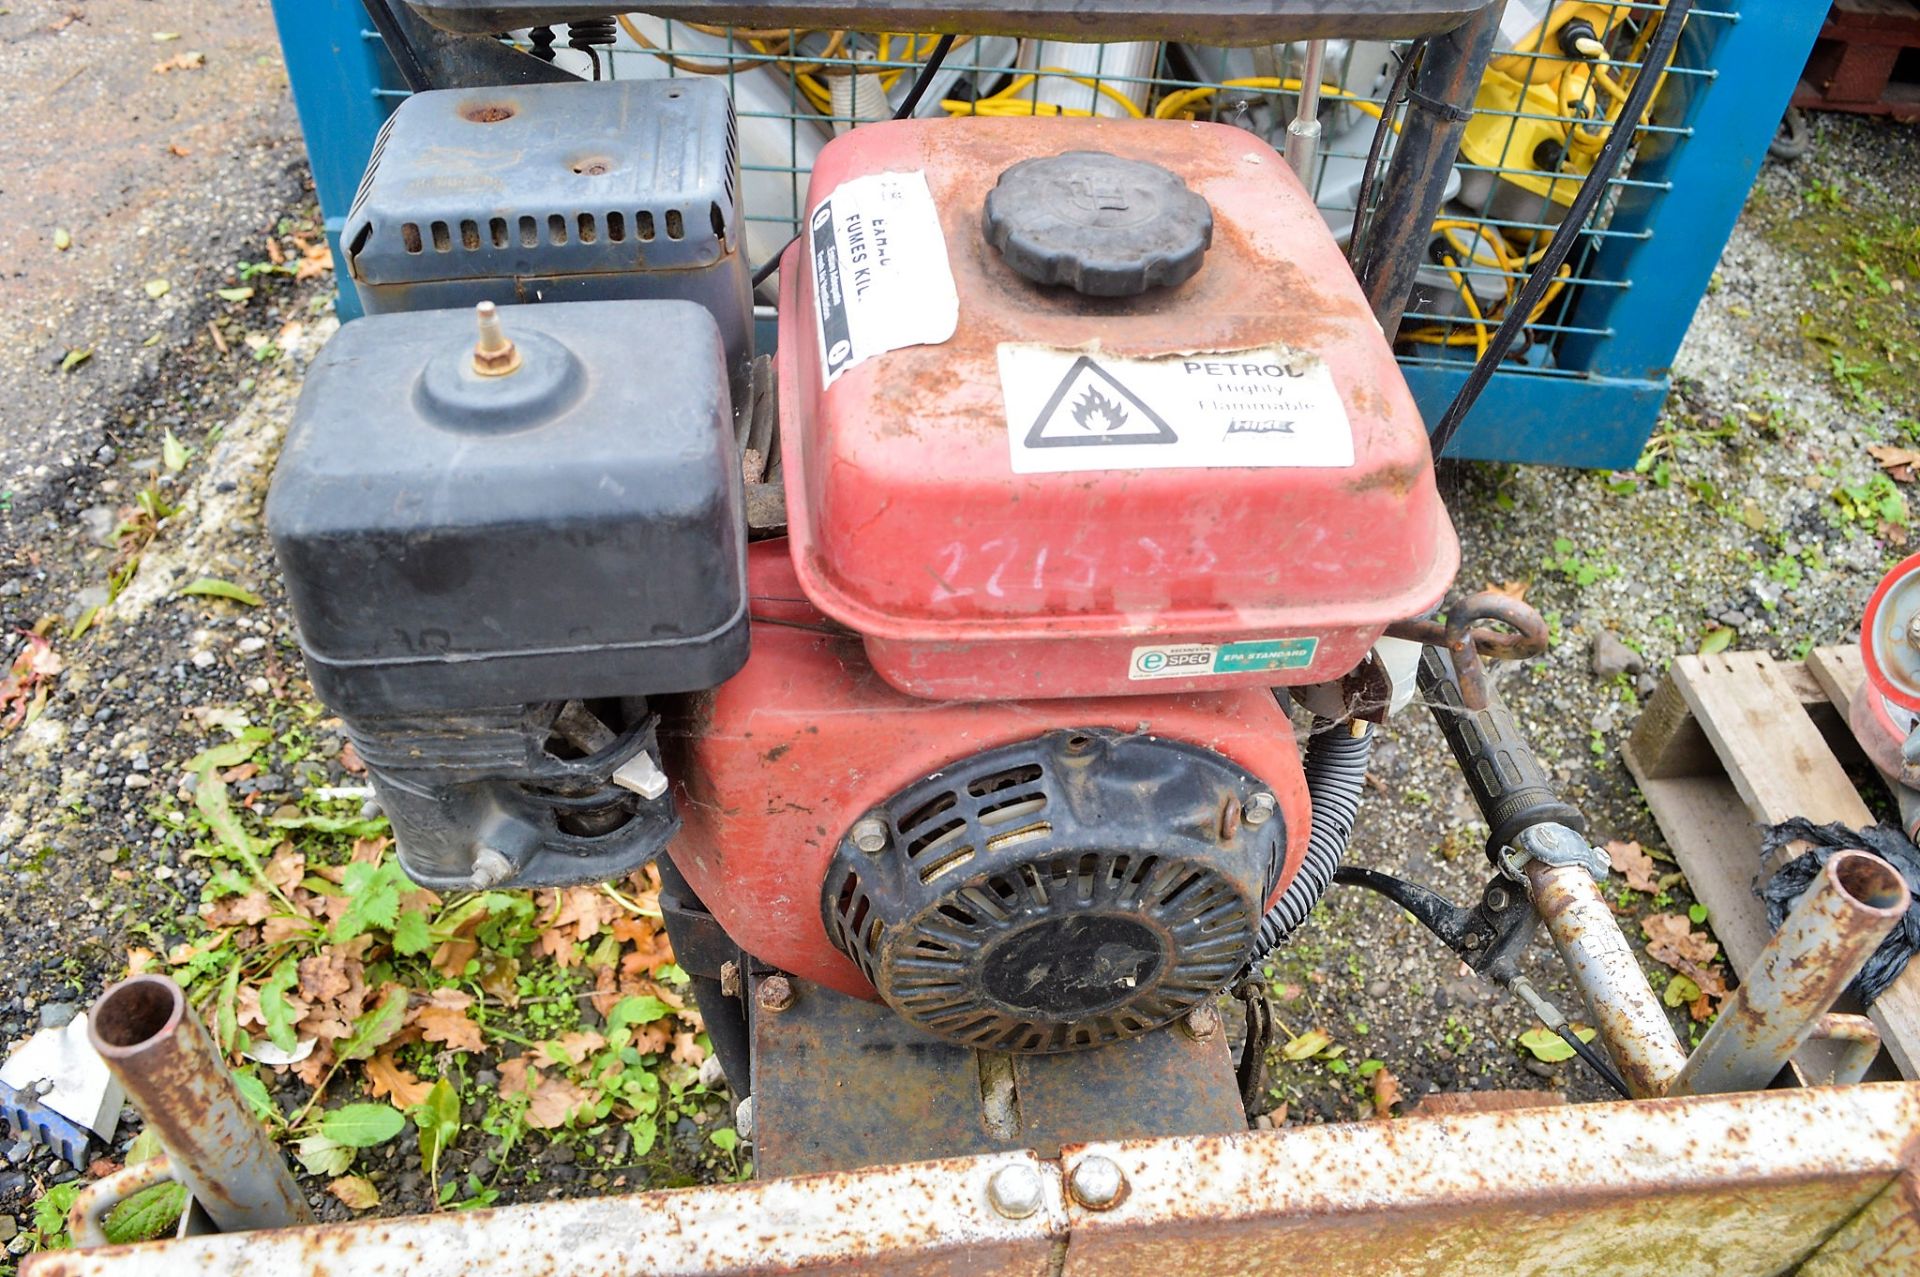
(1174, 103)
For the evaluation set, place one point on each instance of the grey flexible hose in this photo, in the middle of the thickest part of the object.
(1336, 767)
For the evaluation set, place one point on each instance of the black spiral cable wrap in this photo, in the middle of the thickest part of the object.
(588, 32)
(1336, 767)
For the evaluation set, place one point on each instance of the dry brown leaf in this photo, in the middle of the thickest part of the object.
(576, 1047)
(350, 760)
(179, 150)
(386, 1077)
(1515, 590)
(325, 977)
(555, 1102)
(283, 927)
(606, 991)
(1673, 933)
(189, 61)
(286, 867)
(356, 1192)
(368, 851)
(1899, 463)
(444, 1019)
(499, 978)
(517, 1076)
(559, 946)
(317, 1066)
(1386, 1093)
(1635, 865)
(140, 960)
(586, 910)
(315, 260)
(687, 1049)
(451, 958)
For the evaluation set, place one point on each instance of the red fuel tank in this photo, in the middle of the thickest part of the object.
(1093, 408)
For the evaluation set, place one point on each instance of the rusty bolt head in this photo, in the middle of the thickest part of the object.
(729, 979)
(775, 994)
(870, 835)
(1259, 809)
(1097, 1182)
(1016, 1191)
(1913, 630)
(1202, 1022)
(1471, 940)
(1498, 899)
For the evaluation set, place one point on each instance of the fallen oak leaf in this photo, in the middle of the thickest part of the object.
(1899, 463)
(444, 1020)
(386, 1078)
(1634, 864)
(555, 1102)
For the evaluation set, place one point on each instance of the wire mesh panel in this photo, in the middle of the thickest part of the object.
(1547, 103)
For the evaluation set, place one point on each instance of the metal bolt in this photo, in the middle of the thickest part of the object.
(729, 979)
(490, 869)
(870, 835)
(1016, 1191)
(1097, 1183)
(1913, 630)
(1259, 809)
(1497, 899)
(776, 994)
(494, 355)
(1202, 1022)
(1472, 939)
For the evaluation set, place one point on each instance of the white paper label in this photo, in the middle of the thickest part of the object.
(881, 280)
(1075, 410)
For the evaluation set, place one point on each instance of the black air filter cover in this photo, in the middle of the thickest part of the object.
(1057, 894)
(570, 531)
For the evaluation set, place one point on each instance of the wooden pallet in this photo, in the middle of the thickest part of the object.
(1737, 741)
(1861, 61)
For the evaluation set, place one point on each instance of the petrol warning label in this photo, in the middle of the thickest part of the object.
(1196, 660)
(1077, 410)
(881, 278)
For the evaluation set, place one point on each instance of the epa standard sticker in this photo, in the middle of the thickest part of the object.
(1197, 660)
(1076, 410)
(881, 279)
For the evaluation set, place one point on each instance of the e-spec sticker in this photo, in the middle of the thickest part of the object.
(881, 279)
(1196, 660)
(1082, 410)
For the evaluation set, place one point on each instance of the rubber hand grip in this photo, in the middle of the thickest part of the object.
(1506, 779)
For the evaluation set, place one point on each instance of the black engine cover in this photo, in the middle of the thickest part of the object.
(1057, 894)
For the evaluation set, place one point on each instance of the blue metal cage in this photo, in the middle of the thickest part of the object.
(1595, 372)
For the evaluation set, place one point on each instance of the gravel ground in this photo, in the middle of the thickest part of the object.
(1753, 447)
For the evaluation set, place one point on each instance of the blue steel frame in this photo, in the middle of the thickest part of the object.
(344, 87)
(1596, 411)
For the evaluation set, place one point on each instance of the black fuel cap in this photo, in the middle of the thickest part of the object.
(1099, 224)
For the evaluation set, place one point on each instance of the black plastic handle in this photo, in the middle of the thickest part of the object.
(1506, 779)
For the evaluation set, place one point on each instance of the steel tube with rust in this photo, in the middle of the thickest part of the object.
(1632, 1022)
(156, 1046)
(1838, 922)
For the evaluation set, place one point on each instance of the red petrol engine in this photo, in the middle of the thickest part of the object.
(1091, 442)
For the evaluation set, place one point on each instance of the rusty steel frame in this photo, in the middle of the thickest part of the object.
(1821, 1181)
(1834, 927)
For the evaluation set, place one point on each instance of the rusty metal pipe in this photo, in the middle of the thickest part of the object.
(1862, 1037)
(160, 1052)
(1632, 1023)
(1834, 928)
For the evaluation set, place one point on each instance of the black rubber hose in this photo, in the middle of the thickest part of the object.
(1336, 767)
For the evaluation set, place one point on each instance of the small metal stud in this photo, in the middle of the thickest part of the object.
(1259, 809)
